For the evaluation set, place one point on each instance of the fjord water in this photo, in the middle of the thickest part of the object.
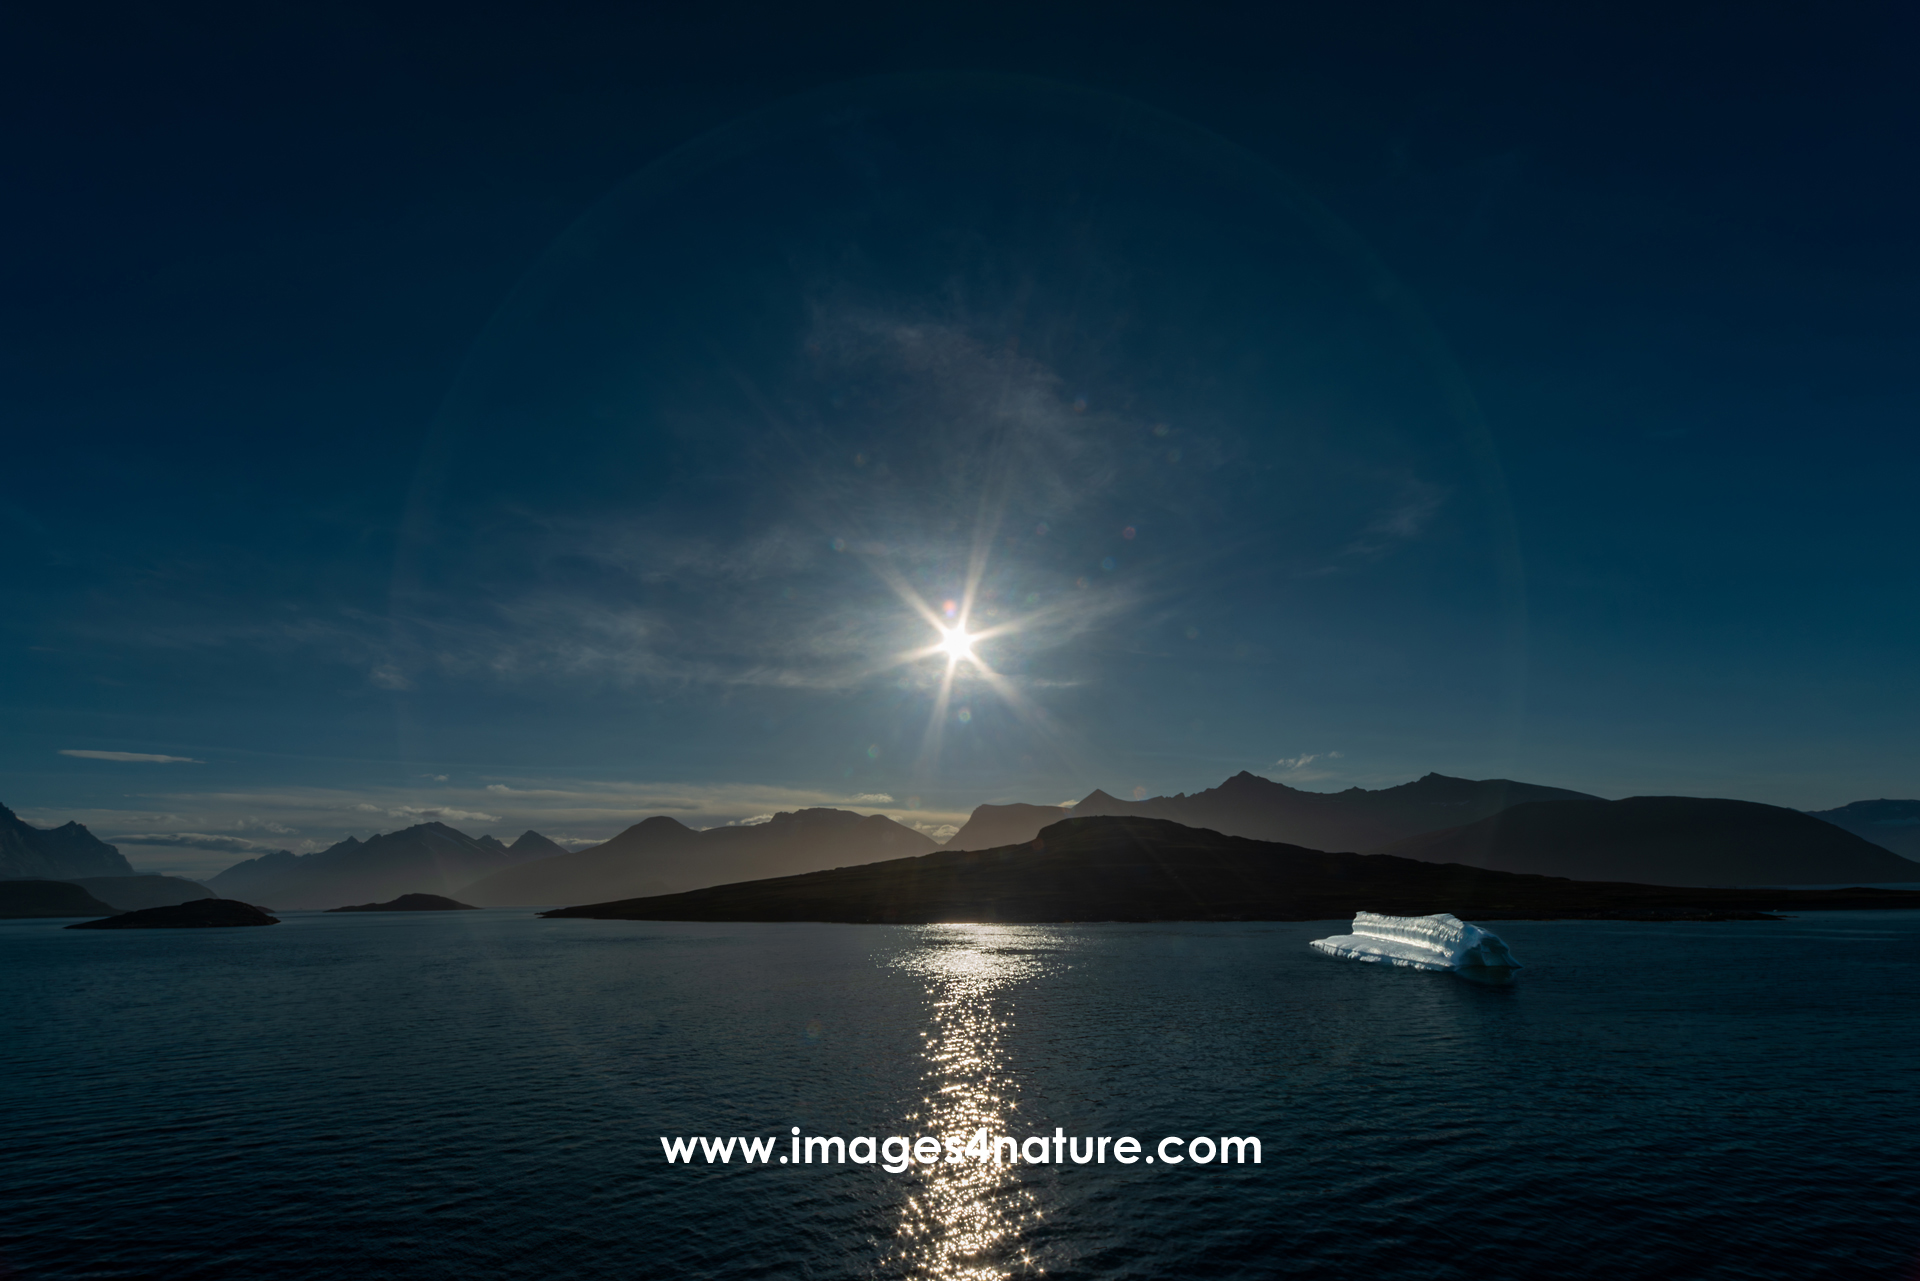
(483, 1094)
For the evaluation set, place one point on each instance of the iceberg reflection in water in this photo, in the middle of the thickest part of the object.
(1439, 942)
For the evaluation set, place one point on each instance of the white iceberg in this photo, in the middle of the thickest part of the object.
(1439, 942)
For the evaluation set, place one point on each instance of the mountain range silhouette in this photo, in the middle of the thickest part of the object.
(661, 855)
(1263, 810)
(429, 858)
(1493, 824)
(1662, 840)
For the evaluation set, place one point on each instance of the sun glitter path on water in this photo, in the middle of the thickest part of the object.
(963, 1222)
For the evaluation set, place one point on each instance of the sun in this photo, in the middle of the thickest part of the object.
(957, 644)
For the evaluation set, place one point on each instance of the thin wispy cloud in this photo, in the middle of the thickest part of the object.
(1404, 522)
(147, 757)
(191, 841)
(443, 814)
(1299, 769)
(988, 445)
(1304, 759)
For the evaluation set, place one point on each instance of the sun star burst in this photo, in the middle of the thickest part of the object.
(957, 644)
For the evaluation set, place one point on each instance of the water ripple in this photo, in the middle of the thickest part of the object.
(483, 1094)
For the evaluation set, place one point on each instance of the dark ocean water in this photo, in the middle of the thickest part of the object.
(483, 1095)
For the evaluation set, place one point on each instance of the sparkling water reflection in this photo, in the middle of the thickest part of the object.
(482, 1094)
(963, 1221)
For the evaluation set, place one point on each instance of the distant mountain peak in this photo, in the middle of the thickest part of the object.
(1246, 781)
(531, 845)
(28, 852)
(819, 816)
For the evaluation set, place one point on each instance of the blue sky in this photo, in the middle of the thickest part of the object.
(547, 417)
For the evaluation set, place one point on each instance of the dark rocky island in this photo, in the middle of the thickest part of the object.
(1138, 869)
(202, 913)
(21, 900)
(411, 903)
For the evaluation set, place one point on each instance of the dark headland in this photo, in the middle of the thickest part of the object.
(411, 903)
(201, 913)
(134, 893)
(1140, 869)
(24, 899)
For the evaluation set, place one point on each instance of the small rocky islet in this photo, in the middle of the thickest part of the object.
(203, 913)
(411, 903)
